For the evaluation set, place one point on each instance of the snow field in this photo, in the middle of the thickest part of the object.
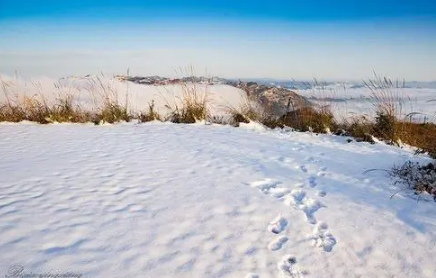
(166, 200)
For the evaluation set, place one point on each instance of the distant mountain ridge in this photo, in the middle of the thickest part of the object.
(288, 84)
(279, 83)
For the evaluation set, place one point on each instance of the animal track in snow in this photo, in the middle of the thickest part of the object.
(312, 182)
(277, 243)
(322, 238)
(296, 196)
(300, 201)
(288, 267)
(321, 193)
(303, 168)
(322, 171)
(277, 225)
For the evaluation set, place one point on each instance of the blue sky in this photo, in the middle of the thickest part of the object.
(277, 39)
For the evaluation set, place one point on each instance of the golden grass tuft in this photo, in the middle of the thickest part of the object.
(150, 115)
(192, 105)
(245, 112)
(309, 118)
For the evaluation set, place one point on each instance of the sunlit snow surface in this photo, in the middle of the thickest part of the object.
(166, 200)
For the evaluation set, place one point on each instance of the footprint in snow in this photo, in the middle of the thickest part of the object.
(277, 243)
(322, 238)
(288, 267)
(300, 201)
(312, 182)
(309, 207)
(252, 275)
(277, 225)
(303, 168)
(321, 193)
(295, 197)
(322, 171)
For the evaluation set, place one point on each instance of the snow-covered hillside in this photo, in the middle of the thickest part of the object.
(166, 200)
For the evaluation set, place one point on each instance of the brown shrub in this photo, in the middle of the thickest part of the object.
(113, 113)
(419, 178)
(420, 135)
(193, 105)
(35, 110)
(309, 119)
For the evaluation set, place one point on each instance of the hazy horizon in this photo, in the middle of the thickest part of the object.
(274, 39)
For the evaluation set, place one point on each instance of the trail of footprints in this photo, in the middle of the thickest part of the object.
(298, 199)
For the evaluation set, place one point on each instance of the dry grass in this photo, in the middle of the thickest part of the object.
(244, 112)
(36, 108)
(37, 111)
(107, 105)
(18, 106)
(112, 113)
(359, 127)
(390, 124)
(385, 97)
(319, 120)
(303, 119)
(110, 106)
(388, 105)
(422, 136)
(106, 98)
(393, 131)
(150, 115)
(192, 106)
(308, 118)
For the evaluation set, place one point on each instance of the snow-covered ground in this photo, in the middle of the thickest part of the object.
(166, 200)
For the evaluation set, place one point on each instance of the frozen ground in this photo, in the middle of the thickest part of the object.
(166, 200)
